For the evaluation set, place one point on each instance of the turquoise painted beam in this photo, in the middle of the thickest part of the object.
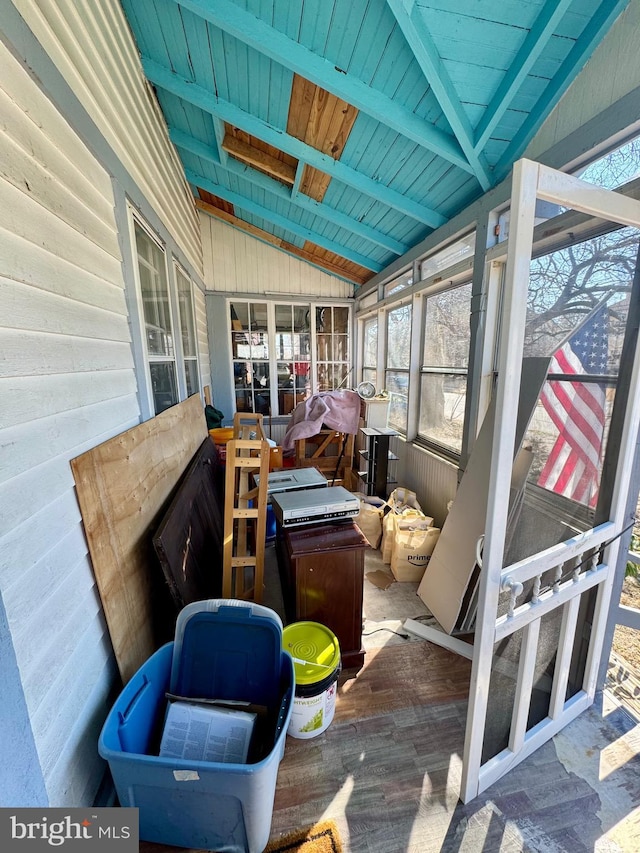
(423, 47)
(173, 83)
(249, 206)
(536, 39)
(295, 189)
(218, 129)
(296, 57)
(593, 33)
(310, 205)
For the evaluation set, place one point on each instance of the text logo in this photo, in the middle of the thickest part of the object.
(33, 829)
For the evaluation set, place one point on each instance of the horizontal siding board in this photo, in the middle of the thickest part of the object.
(80, 749)
(40, 158)
(21, 91)
(27, 175)
(23, 539)
(69, 695)
(102, 66)
(36, 225)
(46, 575)
(48, 312)
(29, 398)
(33, 265)
(33, 443)
(30, 353)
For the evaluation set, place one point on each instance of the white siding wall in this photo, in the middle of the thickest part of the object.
(66, 383)
(202, 336)
(611, 73)
(91, 45)
(236, 262)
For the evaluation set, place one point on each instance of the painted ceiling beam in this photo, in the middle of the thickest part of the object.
(239, 201)
(295, 189)
(593, 33)
(423, 47)
(310, 205)
(263, 38)
(218, 129)
(205, 100)
(537, 38)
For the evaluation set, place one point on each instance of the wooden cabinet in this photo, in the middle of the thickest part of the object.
(322, 571)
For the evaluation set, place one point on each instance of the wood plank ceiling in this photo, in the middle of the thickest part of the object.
(345, 131)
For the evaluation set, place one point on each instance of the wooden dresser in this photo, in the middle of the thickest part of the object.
(322, 571)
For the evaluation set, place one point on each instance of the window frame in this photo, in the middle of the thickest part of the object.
(273, 360)
(441, 370)
(178, 271)
(150, 402)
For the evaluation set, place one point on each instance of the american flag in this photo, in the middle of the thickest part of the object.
(577, 410)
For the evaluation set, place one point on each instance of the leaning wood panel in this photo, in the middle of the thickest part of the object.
(122, 486)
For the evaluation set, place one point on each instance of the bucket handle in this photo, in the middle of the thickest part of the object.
(313, 663)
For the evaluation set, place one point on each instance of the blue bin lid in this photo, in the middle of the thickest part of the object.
(227, 649)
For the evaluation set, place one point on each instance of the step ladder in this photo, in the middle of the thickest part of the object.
(245, 519)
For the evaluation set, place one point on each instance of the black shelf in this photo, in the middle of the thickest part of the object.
(376, 477)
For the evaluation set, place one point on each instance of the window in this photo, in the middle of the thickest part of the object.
(293, 352)
(332, 347)
(283, 352)
(250, 349)
(370, 350)
(399, 283)
(156, 309)
(443, 373)
(447, 257)
(188, 331)
(397, 369)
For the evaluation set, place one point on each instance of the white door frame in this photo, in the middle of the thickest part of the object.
(532, 181)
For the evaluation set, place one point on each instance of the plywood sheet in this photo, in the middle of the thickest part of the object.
(452, 563)
(122, 487)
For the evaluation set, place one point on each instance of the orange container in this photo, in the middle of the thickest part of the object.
(221, 435)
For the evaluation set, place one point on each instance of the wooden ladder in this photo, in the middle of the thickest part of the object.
(245, 503)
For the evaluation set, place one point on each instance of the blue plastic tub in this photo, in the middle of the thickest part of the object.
(221, 648)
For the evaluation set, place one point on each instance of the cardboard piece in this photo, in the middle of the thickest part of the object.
(453, 561)
(382, 580)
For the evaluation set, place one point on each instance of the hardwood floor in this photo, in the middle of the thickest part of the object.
(387, 769)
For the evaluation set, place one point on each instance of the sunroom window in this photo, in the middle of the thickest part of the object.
(443, 373)
(370, 351)
(284, 352)
(397, 365)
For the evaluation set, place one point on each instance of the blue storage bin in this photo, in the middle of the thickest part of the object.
(223, 649)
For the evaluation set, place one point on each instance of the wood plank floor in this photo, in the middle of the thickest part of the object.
(387, 769)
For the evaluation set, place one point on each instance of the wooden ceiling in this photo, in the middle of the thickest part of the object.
(345, 131)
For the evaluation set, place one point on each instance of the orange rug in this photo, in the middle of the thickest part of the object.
(320, 838)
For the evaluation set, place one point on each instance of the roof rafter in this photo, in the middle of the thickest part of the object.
(530, 49)
(204, 151)
(598, 25)
(422, 45)
(277, 46)
(173, 83)
(280, 221)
